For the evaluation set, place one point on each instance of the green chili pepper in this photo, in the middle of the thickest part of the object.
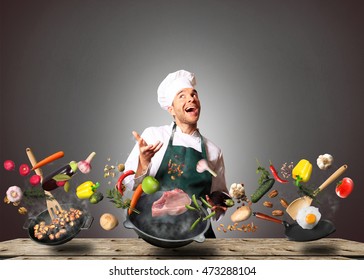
(209, 216)
(195, 201)
(189, 207)
(205, 202)
(195, 224)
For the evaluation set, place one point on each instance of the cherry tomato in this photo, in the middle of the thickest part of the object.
(344, 187)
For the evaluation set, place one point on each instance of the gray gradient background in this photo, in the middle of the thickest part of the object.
(279, 80)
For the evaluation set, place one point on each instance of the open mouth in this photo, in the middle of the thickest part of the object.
(191, 109)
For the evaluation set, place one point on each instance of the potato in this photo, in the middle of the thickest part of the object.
(108, 221)
(241, 214)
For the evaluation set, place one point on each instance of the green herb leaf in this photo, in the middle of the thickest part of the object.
(61, 177)
(117, 199)
(67, 186)
(34, 193)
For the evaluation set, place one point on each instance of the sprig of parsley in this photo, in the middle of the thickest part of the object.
(264, 174)
(117, 199)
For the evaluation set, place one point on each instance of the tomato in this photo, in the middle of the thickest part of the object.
(344, 187)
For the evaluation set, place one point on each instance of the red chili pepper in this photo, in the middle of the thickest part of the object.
(275, 174)
(119, 184)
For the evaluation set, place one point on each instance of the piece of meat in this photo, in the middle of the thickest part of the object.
(171, 203)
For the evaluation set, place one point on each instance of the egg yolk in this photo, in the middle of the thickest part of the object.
(310, 219)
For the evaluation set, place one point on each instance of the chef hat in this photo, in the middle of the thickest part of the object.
(172, 84)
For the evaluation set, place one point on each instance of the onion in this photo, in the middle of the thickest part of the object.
(14, 194)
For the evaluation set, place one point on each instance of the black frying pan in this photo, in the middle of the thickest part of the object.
(295, 232)
(167, 231)
(84, 222)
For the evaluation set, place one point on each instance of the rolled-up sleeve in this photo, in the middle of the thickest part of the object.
(151, 135)
(219, 182)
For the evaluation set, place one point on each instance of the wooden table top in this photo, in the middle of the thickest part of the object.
(224, 248)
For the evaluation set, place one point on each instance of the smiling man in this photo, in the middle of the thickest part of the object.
(170, 153)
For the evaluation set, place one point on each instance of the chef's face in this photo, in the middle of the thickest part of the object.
(186, 107)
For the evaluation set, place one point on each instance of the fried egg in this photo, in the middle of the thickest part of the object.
(308, 217)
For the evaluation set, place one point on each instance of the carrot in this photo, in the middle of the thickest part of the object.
(134, 199)
(49, 159)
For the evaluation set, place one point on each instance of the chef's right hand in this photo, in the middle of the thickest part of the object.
(146, 152)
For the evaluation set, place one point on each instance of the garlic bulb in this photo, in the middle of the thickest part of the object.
(237, 190)
(324, 161)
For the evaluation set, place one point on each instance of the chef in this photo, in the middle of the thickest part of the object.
(170, 153)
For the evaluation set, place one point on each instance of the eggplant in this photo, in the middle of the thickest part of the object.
(221, 199)
(49, 183)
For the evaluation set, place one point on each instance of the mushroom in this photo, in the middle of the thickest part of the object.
(85, 165)
(202, 166)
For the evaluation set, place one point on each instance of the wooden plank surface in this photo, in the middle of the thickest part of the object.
(230, 248)
(185, 258)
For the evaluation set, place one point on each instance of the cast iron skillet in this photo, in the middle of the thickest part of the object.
(295, 232)
(167, 231)
(84, 222)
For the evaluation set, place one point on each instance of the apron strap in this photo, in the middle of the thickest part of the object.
(203, 148)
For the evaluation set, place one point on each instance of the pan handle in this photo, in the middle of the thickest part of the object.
(128, 224)
(199, 238)
(88, 222)
(28, 222)
(266, 217)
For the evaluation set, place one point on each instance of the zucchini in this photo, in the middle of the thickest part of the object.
(262, 190)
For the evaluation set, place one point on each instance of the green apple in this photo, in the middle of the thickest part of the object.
(150, 185)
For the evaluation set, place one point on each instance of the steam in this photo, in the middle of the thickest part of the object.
(170, 227)
(36, 206)
(328, 205)
(166, 227)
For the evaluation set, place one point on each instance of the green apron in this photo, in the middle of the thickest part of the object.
(178, 170)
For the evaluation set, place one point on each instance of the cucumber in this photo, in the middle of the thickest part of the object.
(262, 190)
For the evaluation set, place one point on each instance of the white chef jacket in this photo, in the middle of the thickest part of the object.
(163, 133)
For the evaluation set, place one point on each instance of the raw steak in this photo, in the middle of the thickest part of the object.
(171, 203)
